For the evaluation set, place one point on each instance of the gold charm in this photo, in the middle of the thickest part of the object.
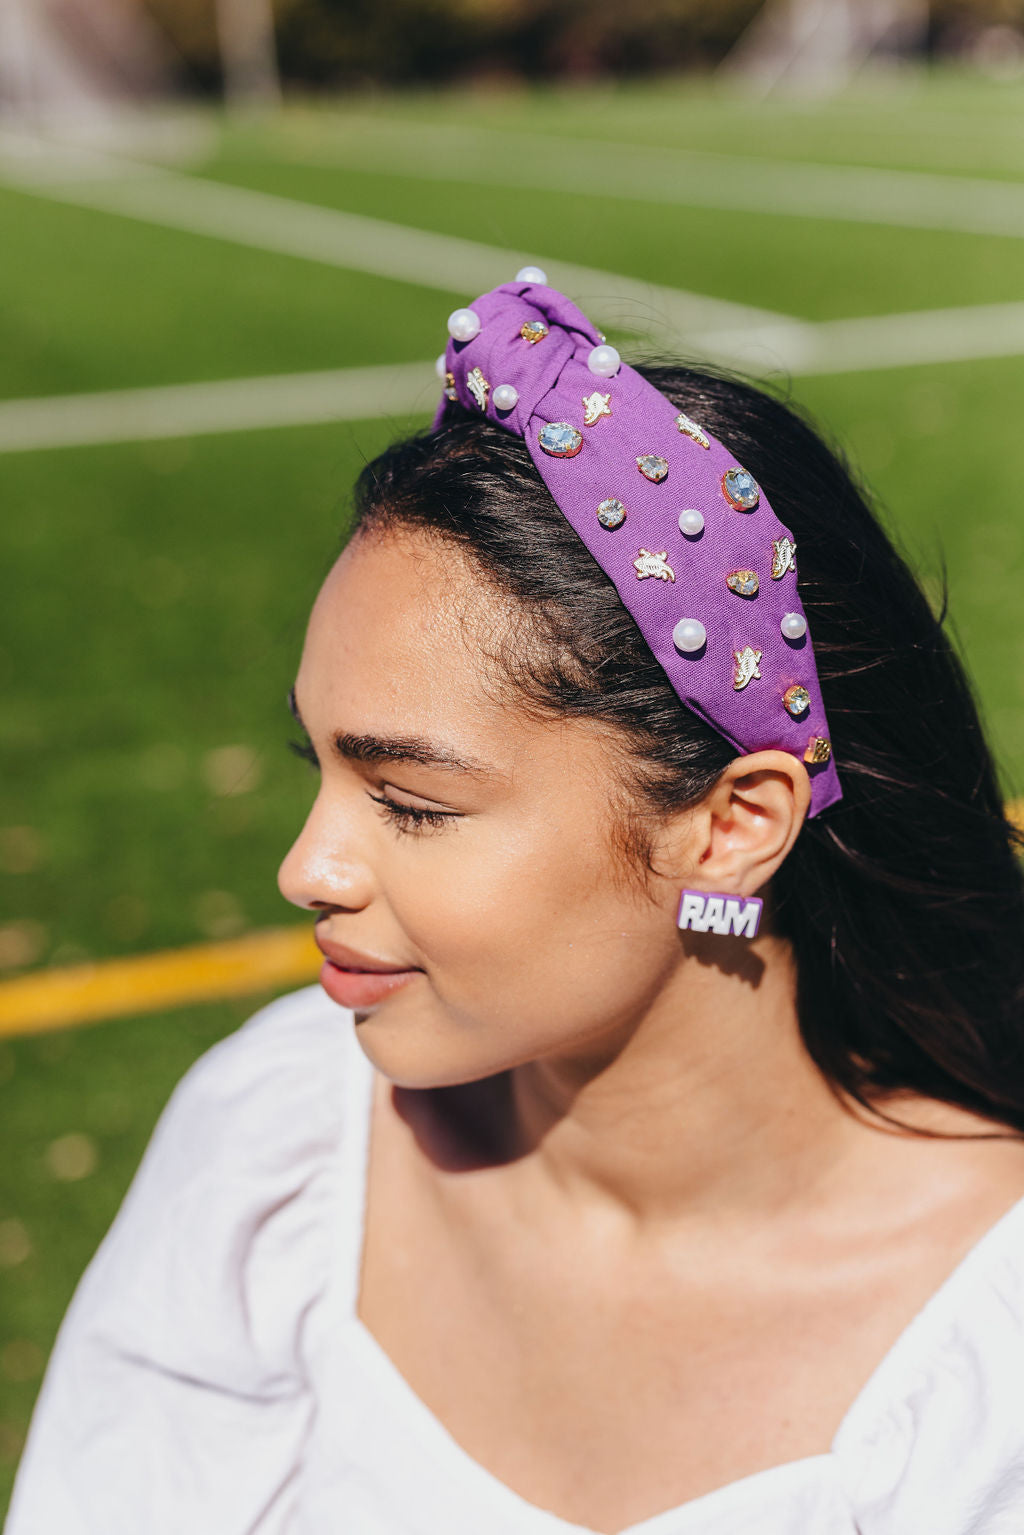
(819, 749)
(595, 406)
(746, 667)
(743, 582)
(449, 386)
(647, 564)
(478, 387)
(783, 556)
(691, 429)
(533, 331)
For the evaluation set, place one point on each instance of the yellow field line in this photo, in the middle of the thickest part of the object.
(74, 994)
(275, 956)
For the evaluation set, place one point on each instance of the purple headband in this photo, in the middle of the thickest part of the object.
(695, 552)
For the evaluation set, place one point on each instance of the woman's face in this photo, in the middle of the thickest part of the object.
(492, 873)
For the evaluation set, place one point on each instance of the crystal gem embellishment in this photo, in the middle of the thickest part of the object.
(783, 556)
(478, 387)
(797, 700)
(611, 513)
(747, 661)
(648, 564)
(533, 331)
(595, 406)
(740, 489)
(450, 390)
(652, 467)
(743, 582)
(819, 749)
(560, 438)
(691, 429)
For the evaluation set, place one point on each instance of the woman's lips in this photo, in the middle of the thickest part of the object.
(357, 980)
(361, 988)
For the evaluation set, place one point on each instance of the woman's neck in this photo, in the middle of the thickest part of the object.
(710, 1102)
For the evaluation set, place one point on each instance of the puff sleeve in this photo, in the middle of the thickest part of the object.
(177, 1396)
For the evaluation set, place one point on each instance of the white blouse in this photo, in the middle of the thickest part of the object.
(212, 1377)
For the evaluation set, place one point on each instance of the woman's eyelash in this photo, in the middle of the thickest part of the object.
(411, 817)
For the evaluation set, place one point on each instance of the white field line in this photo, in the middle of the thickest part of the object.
(880, 341)
(358, 243)
(736, 334)
(411, 389)
(692, 178)
(229, 405)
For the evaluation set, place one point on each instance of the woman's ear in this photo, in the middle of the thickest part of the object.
(737, 836)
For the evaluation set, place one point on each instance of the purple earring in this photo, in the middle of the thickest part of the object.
(703, 911)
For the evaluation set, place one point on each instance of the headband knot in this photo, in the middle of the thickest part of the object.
(504, 356)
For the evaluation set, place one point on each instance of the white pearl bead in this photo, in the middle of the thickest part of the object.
(794, 626)
(531, 274)
(691, 523)
(463, 324)
(441, 366)
(604, 361)
(505, 397)
(689, 634)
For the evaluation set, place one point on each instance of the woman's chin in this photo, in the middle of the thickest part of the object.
(412, 1053)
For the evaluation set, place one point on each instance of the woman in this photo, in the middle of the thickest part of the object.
(594, 1212)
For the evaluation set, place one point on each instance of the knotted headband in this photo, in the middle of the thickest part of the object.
(688, 538)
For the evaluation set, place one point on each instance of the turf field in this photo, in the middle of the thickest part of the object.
(156, 588)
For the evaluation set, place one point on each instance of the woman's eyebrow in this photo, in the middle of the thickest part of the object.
(416, 749)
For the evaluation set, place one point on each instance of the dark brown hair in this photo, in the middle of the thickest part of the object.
(905, 902)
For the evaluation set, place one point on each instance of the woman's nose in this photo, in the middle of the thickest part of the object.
(323, 868)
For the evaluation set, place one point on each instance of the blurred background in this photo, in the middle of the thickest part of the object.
(232, 233)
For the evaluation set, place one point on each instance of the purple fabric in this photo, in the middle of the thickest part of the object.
(553, 380)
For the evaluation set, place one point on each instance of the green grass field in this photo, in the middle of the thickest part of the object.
(155, 593)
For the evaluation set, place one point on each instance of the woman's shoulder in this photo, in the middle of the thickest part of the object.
(178, 1393)
(288, 1031)
(940, 1423)
(267, 1102)
(228, 1231)
(281, 1074)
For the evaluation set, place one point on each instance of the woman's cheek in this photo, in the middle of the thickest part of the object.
(491, 883)
(524, 916)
